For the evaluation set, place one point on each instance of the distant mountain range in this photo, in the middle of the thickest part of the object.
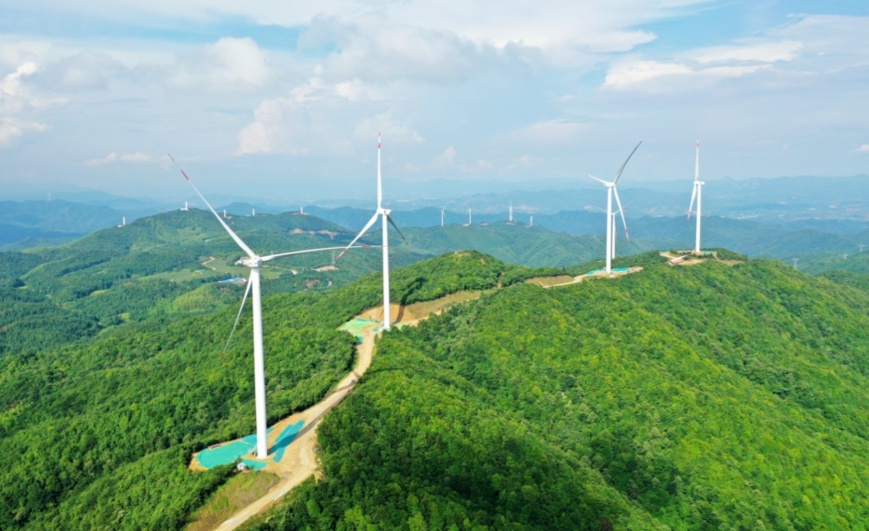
(786, 218)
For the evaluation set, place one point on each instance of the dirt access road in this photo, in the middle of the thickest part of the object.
(300, 460)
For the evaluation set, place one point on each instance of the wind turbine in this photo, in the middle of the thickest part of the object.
(511, 212)
(610, 221)
(698, 193)
(383, 213)
(443, 211)
(254, 262)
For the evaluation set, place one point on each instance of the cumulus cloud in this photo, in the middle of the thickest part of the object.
(19, 105)
(86, 70)
(111, 158)
(393, 131)
(863, 149)
(405, 53)
(228, 65)
(320, 119)
(447, 158)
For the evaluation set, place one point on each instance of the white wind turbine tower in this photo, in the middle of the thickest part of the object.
(443, 211)
(254, 262)
(610, 221)
(511, 211)
(385, 218)
(698, 193)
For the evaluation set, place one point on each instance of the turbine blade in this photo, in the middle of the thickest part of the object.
(622, 212)
(693, 197)
(389, 218)
(306, 251)
(619, 174)
(234, 236)
(237, 317)
(363, 231)
(601, 181)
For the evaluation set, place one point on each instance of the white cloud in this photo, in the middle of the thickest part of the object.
(19, 105)
(809, 45)
(404, 53)
(602, 25)
(754, 51)
(393, 131)
(12, 129)
(228, 65)
(86, 70)
(111, 158)
(863, 149)
(447, 158)
(523, 162)
(635, 72)
(549, 132)
(276, 128)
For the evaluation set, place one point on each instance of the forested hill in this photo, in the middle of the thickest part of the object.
(97, 432)
(710, 396)
(696, 397)
(168, 264)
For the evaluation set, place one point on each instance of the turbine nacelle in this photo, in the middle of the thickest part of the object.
(613, 192)
(250, 262)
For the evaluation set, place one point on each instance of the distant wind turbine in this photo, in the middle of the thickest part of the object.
(385, 219)
(610, 221)
(511, 212)
(254, 262)
(443, 212)
(698, 193)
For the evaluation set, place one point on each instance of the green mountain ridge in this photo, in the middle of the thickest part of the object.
(694, 397)
(704, 396)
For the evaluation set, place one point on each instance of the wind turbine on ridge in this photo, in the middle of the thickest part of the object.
(698, 193)
(610, 221)
(254, 262)
(383, 213)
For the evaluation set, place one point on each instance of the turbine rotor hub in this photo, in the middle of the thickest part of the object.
(250, 262)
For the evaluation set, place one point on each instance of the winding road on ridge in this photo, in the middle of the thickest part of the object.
(300, 458)
(299, 461)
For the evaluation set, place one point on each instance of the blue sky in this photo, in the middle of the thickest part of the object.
(284, 99)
